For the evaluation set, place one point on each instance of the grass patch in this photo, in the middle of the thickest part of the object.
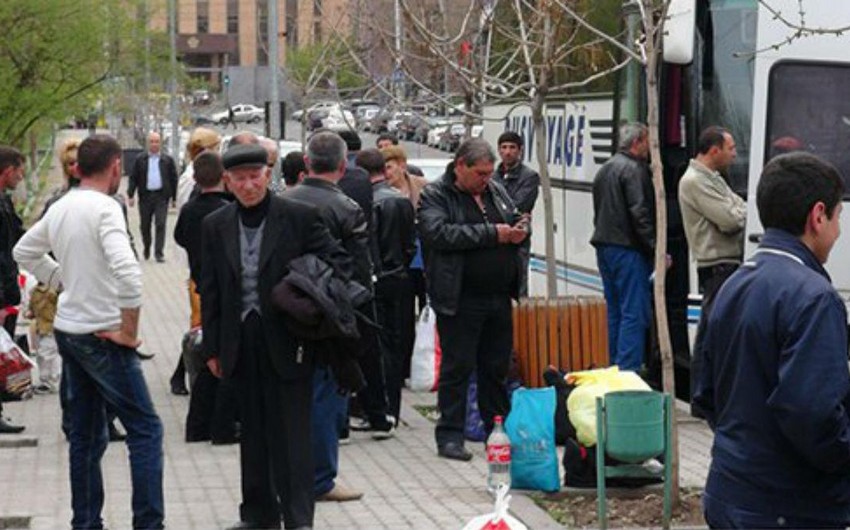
(430, 412)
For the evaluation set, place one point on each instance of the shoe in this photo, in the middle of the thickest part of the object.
(248, 525)
(147, 253)
(144, 356)
(8, 428)
(225, 440)
(359, 424)
(340, 493)
(454, 451)
(160, 259)
(116, 435)
(383, 432)
(178, 388)
(345, 437)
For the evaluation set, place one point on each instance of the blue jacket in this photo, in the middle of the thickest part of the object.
(776, 386)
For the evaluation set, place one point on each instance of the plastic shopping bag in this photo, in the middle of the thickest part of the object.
(425, 363)
(473, 430)
(500, 519)
(15, 367)
(591, 384)
(531, 428)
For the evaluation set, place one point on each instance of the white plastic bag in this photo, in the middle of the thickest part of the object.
(500, 519)
(425, 363)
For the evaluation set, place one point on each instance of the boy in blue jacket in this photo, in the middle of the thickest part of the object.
(776, 386)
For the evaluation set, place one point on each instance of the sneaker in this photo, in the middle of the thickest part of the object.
(340, 493)
(383, 432)
(359, 424)
(345, 437)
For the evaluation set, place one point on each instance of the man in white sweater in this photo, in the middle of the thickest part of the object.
(96, 329)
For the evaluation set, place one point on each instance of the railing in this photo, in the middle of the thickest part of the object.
(569, 333)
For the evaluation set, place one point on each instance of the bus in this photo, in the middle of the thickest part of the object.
(743, 73)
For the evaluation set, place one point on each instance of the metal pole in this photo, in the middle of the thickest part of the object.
(274, 95)
(175, 116)
(396, 80)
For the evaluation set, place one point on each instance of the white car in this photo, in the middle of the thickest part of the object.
(432, 168)
(434, 135)
(244, 112)
(339, 119)
(321, 105)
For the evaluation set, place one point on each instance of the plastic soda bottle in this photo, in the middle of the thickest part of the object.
(498, 457)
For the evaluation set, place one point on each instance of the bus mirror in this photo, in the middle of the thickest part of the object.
(679, 32)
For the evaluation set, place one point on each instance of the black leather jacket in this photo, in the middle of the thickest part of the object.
(344, 219)
(393, 239)
(446, 234)
(624, 205)
(522, 184)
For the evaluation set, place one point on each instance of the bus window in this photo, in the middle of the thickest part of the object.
(808, 110)
(725, 93)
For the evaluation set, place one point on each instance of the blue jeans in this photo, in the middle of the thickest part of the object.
(98, 373)
(625, 278)
(330, 415)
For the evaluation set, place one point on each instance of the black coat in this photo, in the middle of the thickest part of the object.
(356, 184)
(447, 234)
(292, 229)
(522, 184)
(187, 232)
(393, 238)
(624, 205)
(139, 176)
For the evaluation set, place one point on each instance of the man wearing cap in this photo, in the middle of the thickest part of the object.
(246, 249)
(522, 184)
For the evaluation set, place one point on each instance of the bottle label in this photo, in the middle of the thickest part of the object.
(499, 454)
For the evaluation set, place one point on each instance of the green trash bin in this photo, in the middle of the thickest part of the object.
(634, 425)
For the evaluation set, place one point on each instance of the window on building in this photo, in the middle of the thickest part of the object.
(203, 16)
(233, 16)
(292, 23)
(262, 32)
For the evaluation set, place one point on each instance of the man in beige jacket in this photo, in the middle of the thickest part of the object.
(714, 217)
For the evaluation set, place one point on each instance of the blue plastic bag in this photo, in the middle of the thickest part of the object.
(531, 428)
(474, 430)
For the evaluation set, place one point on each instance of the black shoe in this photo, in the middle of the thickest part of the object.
(116, 435)
(454, 451)
(8, 428)
(247, 525)
(144, 356)
(160, 259)
(178, 388)
(147, 253)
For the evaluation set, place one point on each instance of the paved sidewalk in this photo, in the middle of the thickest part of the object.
(405, 484)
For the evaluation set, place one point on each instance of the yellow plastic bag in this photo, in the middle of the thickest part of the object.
(591, 384)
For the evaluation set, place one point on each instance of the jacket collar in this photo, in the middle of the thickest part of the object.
(316, 182)
(272, 229)
(776, 239)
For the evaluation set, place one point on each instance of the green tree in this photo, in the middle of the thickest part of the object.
(55, 54)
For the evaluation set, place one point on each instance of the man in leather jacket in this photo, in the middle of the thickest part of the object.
(624, 238)
(471, 232)
(522, 184)
(393, 245)
(326, 162)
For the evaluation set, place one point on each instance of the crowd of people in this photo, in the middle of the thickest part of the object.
(303, 300)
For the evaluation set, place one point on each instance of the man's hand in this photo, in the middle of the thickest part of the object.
(131, 202)
(503, 232)
(214, 366)
(120, 338)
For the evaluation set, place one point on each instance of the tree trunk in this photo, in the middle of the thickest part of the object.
(540, 143)
(664, 344)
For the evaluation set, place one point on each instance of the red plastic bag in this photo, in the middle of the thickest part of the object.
(500, 519)
(15, 366)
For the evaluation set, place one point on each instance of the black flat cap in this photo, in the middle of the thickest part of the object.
(244, 155)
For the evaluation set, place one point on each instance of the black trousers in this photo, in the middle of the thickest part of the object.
(212, 409)
(275, 450)
(478, 338)
(394, 300)
(408, 330)
(372, 398)
(710, 280)
(153, 205)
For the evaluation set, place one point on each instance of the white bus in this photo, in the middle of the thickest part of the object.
(745, 76)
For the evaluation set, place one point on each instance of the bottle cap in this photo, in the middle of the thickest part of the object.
(497, 419)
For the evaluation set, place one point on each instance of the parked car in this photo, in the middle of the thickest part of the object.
(201, 97)
(436, 132)
(378, 124)
(432, 168)
(409, 124)
(395, 121)
(364, 114)
(321, 105)
(242, 112)
(451, 137)
(339, 119)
